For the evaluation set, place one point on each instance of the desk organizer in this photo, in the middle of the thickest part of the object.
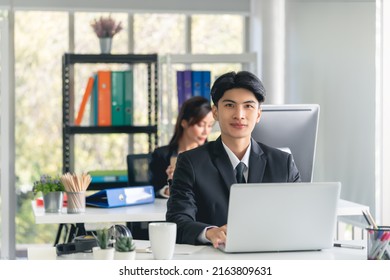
(378, 243)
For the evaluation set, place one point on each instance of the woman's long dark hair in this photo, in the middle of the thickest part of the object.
(193, 111)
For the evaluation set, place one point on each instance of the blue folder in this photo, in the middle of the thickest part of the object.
(117, 197)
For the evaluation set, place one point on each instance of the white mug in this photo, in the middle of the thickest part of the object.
(162, 238)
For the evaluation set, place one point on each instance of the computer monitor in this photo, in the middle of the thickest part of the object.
(294, 127)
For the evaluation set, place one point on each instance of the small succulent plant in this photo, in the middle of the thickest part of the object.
(124, 244)
(103, 237)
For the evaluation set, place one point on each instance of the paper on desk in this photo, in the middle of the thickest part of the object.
(180, 249)
(183, 249)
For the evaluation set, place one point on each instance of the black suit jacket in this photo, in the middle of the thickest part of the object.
(200, 191)
(158, 165)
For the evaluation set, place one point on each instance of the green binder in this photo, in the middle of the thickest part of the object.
(128, 97)
(117, 98)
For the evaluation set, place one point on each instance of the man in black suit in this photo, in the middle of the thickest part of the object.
(198, 203)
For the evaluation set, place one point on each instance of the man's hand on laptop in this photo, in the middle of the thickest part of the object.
(216, 235)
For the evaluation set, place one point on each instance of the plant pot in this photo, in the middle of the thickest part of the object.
(53, 201)
(105, 45)
(124, 255)
(103, 254)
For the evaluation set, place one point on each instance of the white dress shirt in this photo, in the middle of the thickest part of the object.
(234, 161)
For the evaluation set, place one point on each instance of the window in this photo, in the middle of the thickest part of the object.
(38, 88)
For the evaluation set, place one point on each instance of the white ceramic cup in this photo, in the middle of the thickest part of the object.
(162, 238)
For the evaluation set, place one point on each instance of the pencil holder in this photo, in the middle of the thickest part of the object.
(76, 202)
(378, 243)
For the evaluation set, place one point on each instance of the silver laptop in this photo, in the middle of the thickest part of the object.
(281, 217)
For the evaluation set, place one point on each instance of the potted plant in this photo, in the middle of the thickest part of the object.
(104, 251)
(105, 29)
(124, 248)
(52, 191)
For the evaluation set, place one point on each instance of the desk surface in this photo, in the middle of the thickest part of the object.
(349, 208)
(143, 213)
(189, 252)
(138, 213)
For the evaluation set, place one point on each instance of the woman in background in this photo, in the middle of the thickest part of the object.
(193, 125)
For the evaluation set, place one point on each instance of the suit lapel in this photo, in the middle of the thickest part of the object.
(222, 163)
(257, 164)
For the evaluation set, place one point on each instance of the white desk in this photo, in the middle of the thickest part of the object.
(189, 252)
(139, 213)
(143, 213)
(349, 208)
(156, 212)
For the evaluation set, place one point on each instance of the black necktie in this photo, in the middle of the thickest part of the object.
(240, 173)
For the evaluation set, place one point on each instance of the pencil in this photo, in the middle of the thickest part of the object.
(366, 218)
(369, 219)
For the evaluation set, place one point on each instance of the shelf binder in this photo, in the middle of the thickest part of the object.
(205, 88)
(117, 197)
(104, 98)
(108, 176)
(128, 97)
(180, 87)
(117, 98)
(84, 101)
(196, 83)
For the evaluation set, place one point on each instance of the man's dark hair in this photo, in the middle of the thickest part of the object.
(242, 79)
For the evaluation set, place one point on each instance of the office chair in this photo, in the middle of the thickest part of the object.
(138, 175)
(138, 169)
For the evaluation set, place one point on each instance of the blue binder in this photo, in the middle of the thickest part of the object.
(117, 197)
(196, 83)
(187, 84)
(180, 87)
(205, 88)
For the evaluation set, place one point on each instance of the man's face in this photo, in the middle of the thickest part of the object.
(238, 112)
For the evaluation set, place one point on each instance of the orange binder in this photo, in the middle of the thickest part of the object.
(104, 98)
(87, 94)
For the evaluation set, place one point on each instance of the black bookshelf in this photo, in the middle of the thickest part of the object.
(68, 107)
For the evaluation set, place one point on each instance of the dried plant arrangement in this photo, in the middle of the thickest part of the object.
(106, 27)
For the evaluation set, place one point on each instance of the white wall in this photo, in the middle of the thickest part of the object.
(330, 60)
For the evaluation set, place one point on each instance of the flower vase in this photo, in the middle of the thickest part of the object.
(105, 45)
(53, 201)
